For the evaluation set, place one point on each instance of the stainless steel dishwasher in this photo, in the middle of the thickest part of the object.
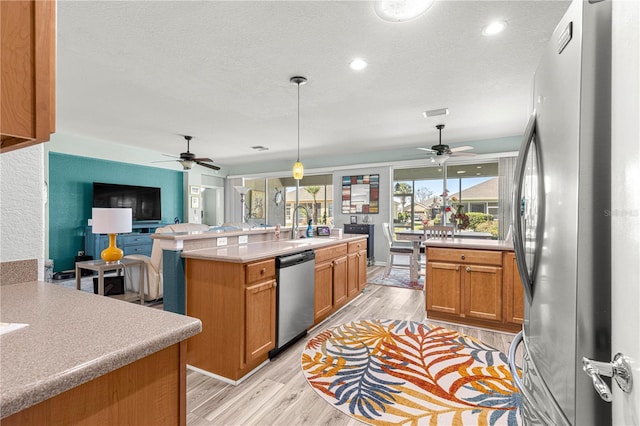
(295, 275)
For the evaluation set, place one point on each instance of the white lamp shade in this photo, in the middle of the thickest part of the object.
(243, 190)
(111, 221)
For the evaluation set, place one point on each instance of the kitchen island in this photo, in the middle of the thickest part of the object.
(473, 282)
(87, 359)
(232, 289)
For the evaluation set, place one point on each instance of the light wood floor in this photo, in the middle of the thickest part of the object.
(278, 394)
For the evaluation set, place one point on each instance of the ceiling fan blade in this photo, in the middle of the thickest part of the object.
(209, 160)
(425, 149)
(167, 155)
(461, 148)
(463, 154)
(210, 166)
(164, 161)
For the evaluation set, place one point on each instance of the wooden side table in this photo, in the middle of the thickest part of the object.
(101, 266)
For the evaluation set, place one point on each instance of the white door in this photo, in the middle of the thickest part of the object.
(625, 204)
(212, 205)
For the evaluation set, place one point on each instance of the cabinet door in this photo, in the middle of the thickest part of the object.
(260, 319)
(322, 300)
(513, 292)
(443, 288)
(27, 68)
(339, 281)
(352, 274)
(362, 270)
(482, 292)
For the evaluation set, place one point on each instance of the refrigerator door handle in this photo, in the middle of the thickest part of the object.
(518, 208)
(619, 369)
(517, 341)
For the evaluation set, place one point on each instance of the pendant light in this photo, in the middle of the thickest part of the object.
(298, 168)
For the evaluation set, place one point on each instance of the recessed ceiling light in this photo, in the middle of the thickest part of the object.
(494, 28)
(477, 174)
(478, 167)
(435, 112)
(358, 64)
(401, 10)
(461, 172)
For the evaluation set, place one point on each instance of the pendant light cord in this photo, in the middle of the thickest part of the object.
(298, 159)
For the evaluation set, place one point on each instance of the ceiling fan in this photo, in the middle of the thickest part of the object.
(188, 159)
(442, 152)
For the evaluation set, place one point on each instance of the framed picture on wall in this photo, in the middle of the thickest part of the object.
(195, 202)
(257, 204)
(360, 194)
(354, 220)
(194, 190)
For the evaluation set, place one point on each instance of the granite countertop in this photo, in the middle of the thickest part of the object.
(73, 337)
(470, 243)
(265, 249)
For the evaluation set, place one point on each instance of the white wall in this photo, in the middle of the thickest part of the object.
(22, 206)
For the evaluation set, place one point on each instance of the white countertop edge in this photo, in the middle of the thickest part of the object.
(266, 249)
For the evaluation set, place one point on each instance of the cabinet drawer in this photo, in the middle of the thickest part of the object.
(259, 271)
(356, 246)
(484, 257)
(132, 239)
(137, 249)
(328, 253)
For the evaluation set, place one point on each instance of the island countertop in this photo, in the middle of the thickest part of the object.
(250, 252)
(469, 243)
(73, 337)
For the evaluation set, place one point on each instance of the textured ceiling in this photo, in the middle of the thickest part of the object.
(144, 73)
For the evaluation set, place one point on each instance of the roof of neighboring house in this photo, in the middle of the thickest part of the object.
(487, 190)
(304, 196)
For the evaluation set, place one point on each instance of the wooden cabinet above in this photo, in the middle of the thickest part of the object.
(27, 71)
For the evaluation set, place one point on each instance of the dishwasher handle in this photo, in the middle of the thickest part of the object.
(295, 259)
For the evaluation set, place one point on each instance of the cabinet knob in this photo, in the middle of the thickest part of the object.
(468, 269)
(262, 271)
(462, 257)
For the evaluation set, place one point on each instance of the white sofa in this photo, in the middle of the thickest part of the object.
(153, 277)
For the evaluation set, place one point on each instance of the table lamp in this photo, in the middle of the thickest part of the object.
(112, 222)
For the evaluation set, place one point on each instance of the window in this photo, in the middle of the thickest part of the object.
(418, 196)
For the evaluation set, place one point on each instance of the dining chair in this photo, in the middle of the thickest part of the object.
(441, 232)
(395, 250)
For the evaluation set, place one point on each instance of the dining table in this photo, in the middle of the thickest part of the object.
(417, 236)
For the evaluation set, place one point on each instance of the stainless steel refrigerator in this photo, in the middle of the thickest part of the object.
(561, 229)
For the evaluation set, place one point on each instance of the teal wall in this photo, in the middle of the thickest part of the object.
(71, 197)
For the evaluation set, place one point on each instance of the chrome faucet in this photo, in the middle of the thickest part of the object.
(295, 228)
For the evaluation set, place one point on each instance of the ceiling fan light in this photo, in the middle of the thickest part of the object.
(187, 164)
(298, 170)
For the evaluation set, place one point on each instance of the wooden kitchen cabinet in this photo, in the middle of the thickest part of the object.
(260, 316)
(513, 291)
(356, 267)
(330, 292)
(27, 71)
(466, 286)
(236, 303)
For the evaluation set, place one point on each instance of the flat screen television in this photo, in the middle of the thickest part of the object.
(143, 200)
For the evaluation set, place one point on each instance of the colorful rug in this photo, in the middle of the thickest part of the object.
(403, 372)
(398, 277)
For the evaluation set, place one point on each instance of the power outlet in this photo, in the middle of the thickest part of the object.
(222, 241)
(243, 239)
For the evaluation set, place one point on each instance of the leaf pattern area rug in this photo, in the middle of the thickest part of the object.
(384, 372)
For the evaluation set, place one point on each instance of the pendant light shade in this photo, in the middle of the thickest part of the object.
(298, 168)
